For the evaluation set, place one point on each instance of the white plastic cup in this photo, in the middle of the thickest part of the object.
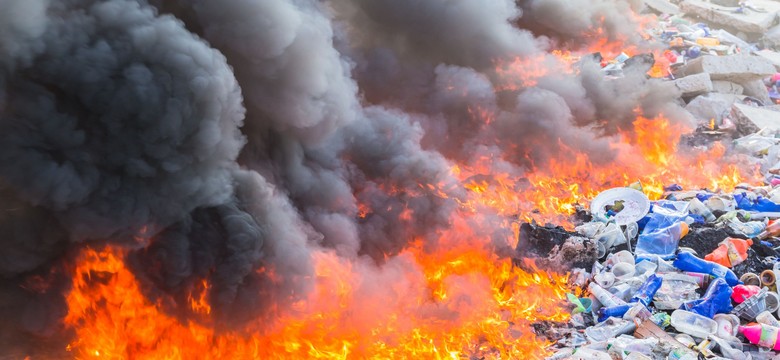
(623, 271)
(611, 236)
(767, 318)
(728, 325)
(601, 249)
(605, 279)
(623, 256)
(772, 301)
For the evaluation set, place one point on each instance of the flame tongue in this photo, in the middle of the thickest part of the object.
(446, 305)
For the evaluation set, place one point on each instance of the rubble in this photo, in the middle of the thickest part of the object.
(770, 56)
(694, 85)
(756, 89)
(735, 68)
(739, 17)
(663, 6)
(726, 87)
(755, 119)
(772, 37)
(711, 106)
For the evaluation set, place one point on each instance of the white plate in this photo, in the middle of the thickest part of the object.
(635, 205)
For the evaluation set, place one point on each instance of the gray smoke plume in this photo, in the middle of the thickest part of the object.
(227, 139)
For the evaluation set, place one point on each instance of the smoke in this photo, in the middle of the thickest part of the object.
(229, 139)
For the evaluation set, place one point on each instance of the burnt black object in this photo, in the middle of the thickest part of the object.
(540, 240)
(641, 63)
(554, 248)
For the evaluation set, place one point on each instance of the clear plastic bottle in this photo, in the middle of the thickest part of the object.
(606, 298)
(608, 329)
(693, 324)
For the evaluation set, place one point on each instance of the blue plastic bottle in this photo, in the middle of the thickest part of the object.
(716, 300)
(645, 293)
(689, 262)
(614, 311)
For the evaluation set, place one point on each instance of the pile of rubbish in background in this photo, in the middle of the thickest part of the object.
(693, 275)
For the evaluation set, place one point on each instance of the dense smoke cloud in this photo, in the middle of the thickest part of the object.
(224, 139)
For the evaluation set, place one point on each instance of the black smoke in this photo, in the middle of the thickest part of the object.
(217, 138)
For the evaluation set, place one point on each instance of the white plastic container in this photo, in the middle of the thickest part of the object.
(693, 324)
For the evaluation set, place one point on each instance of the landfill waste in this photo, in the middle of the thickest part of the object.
(690, 274)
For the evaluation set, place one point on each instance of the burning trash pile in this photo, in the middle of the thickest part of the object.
(700, 265)
(349, 179)
(692, 274)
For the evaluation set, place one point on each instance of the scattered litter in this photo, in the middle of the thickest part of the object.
(694, 274)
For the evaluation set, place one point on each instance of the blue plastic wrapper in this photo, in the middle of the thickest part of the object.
(716, 300)
(661, 232)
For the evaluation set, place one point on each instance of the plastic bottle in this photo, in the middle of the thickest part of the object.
(716, 300)
(689, 262)
(614, 311)
(772, 229)
(663, 241)
(730, 252)
(693, 324)
(609, 328)
(645, 293)
(606, 298)
(762, 335)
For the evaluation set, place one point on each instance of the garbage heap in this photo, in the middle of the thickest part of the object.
(693, 275)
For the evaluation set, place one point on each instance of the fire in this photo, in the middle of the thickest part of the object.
(460, 301)
(446, 305)
(648, 155)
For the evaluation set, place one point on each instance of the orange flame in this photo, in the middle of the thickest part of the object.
(445, 305)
